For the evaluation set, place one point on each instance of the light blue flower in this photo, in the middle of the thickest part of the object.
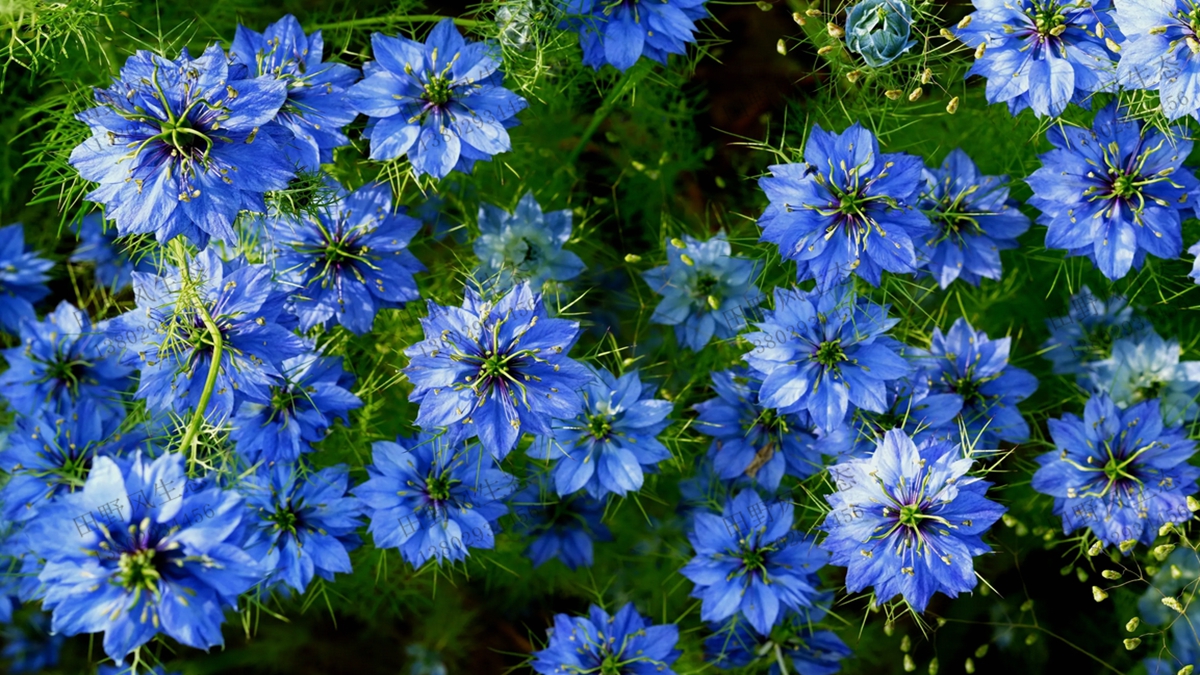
(526, 245)
(879, 30)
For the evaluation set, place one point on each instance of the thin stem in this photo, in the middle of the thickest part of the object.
(1065, 641)
(404, 18)
(628, 80)
(210, 383)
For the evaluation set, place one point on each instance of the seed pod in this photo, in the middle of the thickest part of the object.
(933, 666)
(889, 628)
(1127, 545)
(982, 651)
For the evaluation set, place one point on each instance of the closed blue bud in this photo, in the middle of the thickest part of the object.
(879, 30)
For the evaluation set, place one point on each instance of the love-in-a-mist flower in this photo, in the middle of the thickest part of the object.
(174, 330)
(879, 30)
(750, 440)
(133, 554)
(1121, 473)
(526, 245)
(908, 520)
(316, 109)
(613, 442)
(180, 146)
(848, 209)
(1115, 192)
(621, 32)
(113, 260)
(562, 528)
(1089, 329)
(314, 392)
(912, 405)
(300, 526)
(496, 369)
(821, 351)
(1161, 52)
(350, 258)
(969, 364)
(748, 561)
(811, 651)
(706, 291)
(973, 220)
(49, 454)
(1043, 54)
(62, 360)
(431, 497)
(625, 643)
(441, 103)
(1144, 367)
(22, 278)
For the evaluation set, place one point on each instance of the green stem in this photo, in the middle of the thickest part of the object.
(629, 79)
(403, 18)
(214, 331)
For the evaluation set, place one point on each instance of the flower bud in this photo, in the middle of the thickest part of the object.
(825, 50)
(1099, 594)
(889, 628)
(1167, 528)
(980, 50)
(678, 243)
(966, 21)
(1193, 504)
(981, 651)
(853, 76)
(1132, 624)
(1186, 670)
(812, 12)
(905, 644)
(926, 76)
(1095, 549)
(969, 666)
(1127, 545)
(686, 259)
(764, 6)
(933, 666)
(1161, 552)
(909, 664)
(798, 18)
(1132, 643)
(893, 94)
(781, 47)
(1171, 602)
(1111, 575)
(945, 33)
(834, 30)
(916, 94)
(952, 106)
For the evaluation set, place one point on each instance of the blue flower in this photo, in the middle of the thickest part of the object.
(432, 498)
(1144, 367)
(606, 446)
(705, 290)
(1089, 330)
(316, 109)
(314, 392)
(32, 647)
(168, 338)
(911, 406)
(621, 32)
(63, 360)
(622, 644)
(125, 557)
(22, 278)
(974, 220)
(442, 103)
(1121, 473)
(878, 30)
(50, 453)
(559, 528)
(180, 147)
(908, 520)
(822, 351)
(749, 560)
(1043, 55)
(496, 369)
(114, 265)
(300, 526)
(847, 210)
(812, 652)
(525, 245)
(352, 259)
(1114, 193)
(1158, 52)
(1195, 273)
(750, 440)
(967, 363)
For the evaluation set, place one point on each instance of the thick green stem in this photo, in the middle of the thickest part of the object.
(402, 18)
(214, 331)
(628, 80)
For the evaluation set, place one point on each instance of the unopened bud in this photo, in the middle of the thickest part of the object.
(834, 30)
(916, 94)
(893, 94)
(853, 76)
(1167, 528)
(798, 18)
(926, 76)
(1132, 643)
(687, 260)
(1176, 572)
(1171, 602)
(1031, 638)
(909, 664)
(945, 33)
(678, 243)
(1193, 504)
(981, 651)
(781, 47)
(966, 21)
(1111, 575)
(1127, 545)
(1027, 605)
(969, 666)
(1099, 594)
(764, 6)
(1186, 670)
(889, 628)
(1132, 624)
(905, 644)
(933, 666)
(825, 50)
(812, 12)
(1095, 549)
(1161, 552)
(952, 106)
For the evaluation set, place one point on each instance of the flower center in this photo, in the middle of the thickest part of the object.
(285, 518)
(438, 488)
(830, 353)
(599, 426)
(1050, 21)
(967, 388)
(705, 284)
(1124, 185)
(910, 515)
(438, 90)
(137, 571)
(66, 373)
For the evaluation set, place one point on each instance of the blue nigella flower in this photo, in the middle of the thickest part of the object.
(1043, 54)
(613, 442)
(430, 497)
(1114, 193)
(967, 363)
(300, 526)
(114, 264)
(1121, 473)
(168, 338)
(821, 351)
(1088, 331)
(625, 643)
(847, 210)
(1160, 52)
(908, 520)
(31, 647)
(750, 440)
(351, 257)
(316, 108)
(313, 393)
(749, 560)
(911, 406)
(811, 652)
(705, 290)
(973, 220)
(63, 360)
(879, 30)
(50, 453)
(496, 369)
(558, 528)
(1144, 367)
(621, 32)
(526, 245)
(22, 278)
(133, 555)
(180, 147)
(441, 103)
